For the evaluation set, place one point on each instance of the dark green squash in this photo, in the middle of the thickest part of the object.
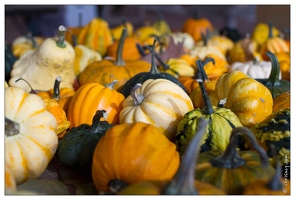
(275, 130)
(9, 61)
(233, 170)
(76, 148)
(221, 122)
(273, 83)
(154, 73)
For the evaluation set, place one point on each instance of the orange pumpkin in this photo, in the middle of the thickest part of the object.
(104, 71)
(133, 152)
(274, 45)
(91, 97)
(130, 51)
(284, 61)
(195, 27)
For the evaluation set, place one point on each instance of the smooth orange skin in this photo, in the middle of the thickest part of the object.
(130, 51)
(259, 188)
(105, 71)
(195, 27)
(91, 97)
(250, 100)
(133, 152)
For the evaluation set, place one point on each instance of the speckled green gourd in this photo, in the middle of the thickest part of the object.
(275, 130)
(221, 122)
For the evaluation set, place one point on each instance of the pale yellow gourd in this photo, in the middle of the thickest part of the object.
(30, 138)
(22, 44)
(84, 57)
(54, 57)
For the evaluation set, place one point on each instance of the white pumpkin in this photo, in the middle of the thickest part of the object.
(30, 138)
(159, 102)
(254, 69)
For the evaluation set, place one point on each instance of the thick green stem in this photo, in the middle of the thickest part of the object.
(61, 37)
(274, 77)
(119, 58)
(136, 98)
(56, 88)
(154, 69)
(208, 109)
(270, 34)
(275, 182)
(231, 158)
(111, 85)
(96, 120)
(183, 183)
(31, 37)
(11, 127)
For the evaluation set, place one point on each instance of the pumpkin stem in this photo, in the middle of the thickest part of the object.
(11, 127)
(274, 77)
(111, 85)
(116, 185)
(74, 39)
(61, 36)
(136, 98)
(34, 43)
(159, 58)
(56, 88)
(204, 38)
(140, 49)
(96, 120)
(270, 34)
(231, 159)
(183, 182)
(32, 90)
(154, 69)
(275, 182)
(119, 59)
(208, 109)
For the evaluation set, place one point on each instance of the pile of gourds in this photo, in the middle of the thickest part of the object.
(211, 117)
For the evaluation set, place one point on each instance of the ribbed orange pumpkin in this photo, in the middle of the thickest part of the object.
(195, 27)
(274, 45)
(92, 97)
(104, 71)
(133, 152)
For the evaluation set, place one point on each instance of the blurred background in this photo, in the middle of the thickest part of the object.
(43, 20)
